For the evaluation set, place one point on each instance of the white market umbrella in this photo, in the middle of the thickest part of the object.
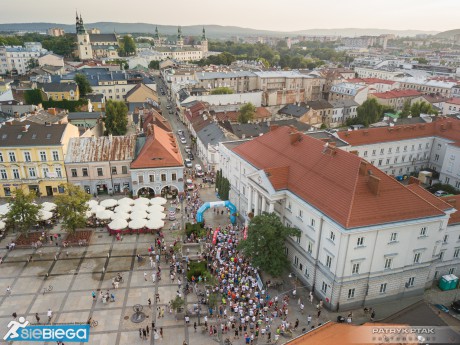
(120, 215)
(88, 214)
(140, 207)
(118, 224)
(155, 208)
(155, 224)
(123, 208)
(137, 223)
(48, 206)
(158, 201)
(92, 203)
(156, 215)
(104, 215)
(2, 225)
(4, 209)
(97, 208)
(44, 215)
(109, 203)
(141, 201)
(138, 215)
(126, 201)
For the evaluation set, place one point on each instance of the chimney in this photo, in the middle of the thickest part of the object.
(47, 124)
(295, 137)
(374, 184)
(273, 127)
(52, 111)
(150, 130)
(363, 168)
(354, 152)
(25, 128)
(414, 180)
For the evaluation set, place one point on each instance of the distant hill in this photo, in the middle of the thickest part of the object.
(448, 34)
(212, 31)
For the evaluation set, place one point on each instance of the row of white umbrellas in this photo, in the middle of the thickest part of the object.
(46, 206)
(119, 224)
(108, 203)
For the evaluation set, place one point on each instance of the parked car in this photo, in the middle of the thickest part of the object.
(440, 193)
(168, 107)
(188, 149)
(456, 306)
(191, 156)
(183, 140)
(188, 163)
(180, 132)
(199, 170)
(189, 184)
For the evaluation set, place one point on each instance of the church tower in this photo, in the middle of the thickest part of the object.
(157, 41)
(180, 39)
(204, 43)
(85, 52)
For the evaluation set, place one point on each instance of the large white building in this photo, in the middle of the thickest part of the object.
(406, 149)
(365, 238)
(17, 59)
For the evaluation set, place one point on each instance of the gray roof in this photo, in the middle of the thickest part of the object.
(293, 110)
(325, 135)
(248, 130)
(344, 103)
(59, 87)
(99, 149)
(103, 38)
(229, 74)
(320, 104)
(84, 115)
(95, 97)
(31, 134)
(211, 134)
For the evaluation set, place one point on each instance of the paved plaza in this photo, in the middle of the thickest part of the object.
(81, 270)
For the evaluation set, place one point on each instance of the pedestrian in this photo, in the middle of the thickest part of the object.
(373, 316)
(148, 330)
(149, 302)
(187, 320)
(37, 318)
(144, 333)
(94, 296)
(311, 297)
(194, 326)
(296, 324)
(319, 313)
(145, 276)
(308, 320)
(157, 297)
(8, 290)
(301, 307)
(321, 303)
(49, 314)
(140, 333)
(161, 332)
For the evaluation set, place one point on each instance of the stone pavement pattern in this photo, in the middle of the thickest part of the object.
(81, 270)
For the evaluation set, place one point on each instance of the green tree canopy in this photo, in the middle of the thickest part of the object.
(247, 113)
(222, 91)
(72, 207)
(83, 84)
(128, 46)
(369, 112)
(34, 96)
(116, 117)
(422, 108)
(405, 112)
(23, 212)
(154, 64)
(266, 238)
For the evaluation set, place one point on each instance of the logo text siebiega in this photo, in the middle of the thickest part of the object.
(40, 333)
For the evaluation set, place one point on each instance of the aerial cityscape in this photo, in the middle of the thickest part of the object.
(204, 173)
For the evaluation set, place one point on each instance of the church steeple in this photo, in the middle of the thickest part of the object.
(203, 36)
(179, 33)
(80, 28)
(157, 35)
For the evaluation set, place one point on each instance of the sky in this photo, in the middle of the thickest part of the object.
(287, 15)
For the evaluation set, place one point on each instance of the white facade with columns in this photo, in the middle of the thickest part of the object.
(346, 268)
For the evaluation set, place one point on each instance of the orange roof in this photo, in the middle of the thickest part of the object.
(336, 182)
(160, 150)
(278, 177)
(333, 333)
(433, 200)
(396, 94)
(454, 201)
(446, 128)
(453, 101)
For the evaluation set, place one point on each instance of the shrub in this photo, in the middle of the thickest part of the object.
(196, 229)
(197, 269)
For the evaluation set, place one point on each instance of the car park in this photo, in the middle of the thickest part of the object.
(183, 141)
(188, 163)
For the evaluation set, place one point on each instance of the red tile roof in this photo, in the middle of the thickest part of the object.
(232, 116)
(160, 150)
(446, 128)
(453, 101)
(153, 117)
(371, 81)
(454, 201)
(334, 181)
(433, 200)
(396, 94)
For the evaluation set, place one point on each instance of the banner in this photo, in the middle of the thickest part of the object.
(22, 331)
(245, 232)
(214, 236)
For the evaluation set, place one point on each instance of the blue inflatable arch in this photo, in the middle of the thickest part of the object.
(206, 205)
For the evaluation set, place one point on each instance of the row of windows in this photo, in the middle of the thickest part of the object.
(27, 156)
(99, 171)
(31, 173)
(390, 149)
(163, 178)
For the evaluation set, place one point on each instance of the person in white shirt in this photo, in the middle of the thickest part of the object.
(49, 314)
